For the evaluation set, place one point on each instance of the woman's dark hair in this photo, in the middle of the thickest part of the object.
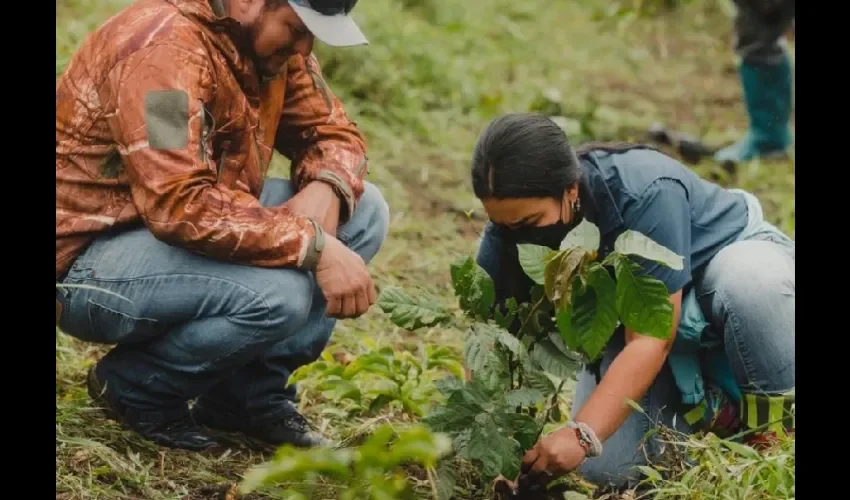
(527, 155)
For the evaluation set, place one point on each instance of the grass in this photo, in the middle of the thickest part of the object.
(435, 72)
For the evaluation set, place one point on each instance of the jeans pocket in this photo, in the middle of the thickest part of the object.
(108, 326)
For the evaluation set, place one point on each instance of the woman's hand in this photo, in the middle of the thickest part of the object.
(554, 455)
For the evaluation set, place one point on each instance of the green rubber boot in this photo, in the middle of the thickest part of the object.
(767, 96)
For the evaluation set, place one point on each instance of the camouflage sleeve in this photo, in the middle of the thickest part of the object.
(159, 94)
(316, 134)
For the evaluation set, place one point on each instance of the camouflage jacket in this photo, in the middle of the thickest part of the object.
(161, 121)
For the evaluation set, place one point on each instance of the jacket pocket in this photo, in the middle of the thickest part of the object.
(108, 326)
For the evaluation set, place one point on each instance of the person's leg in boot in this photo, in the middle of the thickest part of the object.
(255, 400)
(766, 78)
(749, 289)
(182, 323)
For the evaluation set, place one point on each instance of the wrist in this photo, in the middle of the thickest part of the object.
(586, 438)
(315, 247)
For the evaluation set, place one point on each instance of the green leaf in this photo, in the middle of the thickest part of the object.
(419, 445)
(492, 450)
(339, 389)
(534, 378)
(446, 480)
(454, 416)
(504, 316)
(448, 385)
(473, 287)
(523, 428)
(524, 396)
(585, 236)
(505, 339)
(412, 313)
(554, 361)
(650, 473)
(478, 351)
(743, 450)
(292, 465)
(588, 324)
(634, 243)
(643, 302)
(533, 259)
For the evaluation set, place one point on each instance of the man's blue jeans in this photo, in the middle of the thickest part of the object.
(749, 289)
(194, 326)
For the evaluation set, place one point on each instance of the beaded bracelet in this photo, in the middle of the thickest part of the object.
(587, 438)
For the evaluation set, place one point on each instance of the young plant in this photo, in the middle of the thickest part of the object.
(371, 471)
(379, 379)
(520, 355)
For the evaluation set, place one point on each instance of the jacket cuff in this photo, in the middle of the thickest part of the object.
(313, 248)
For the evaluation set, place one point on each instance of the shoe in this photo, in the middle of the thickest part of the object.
(767, 95)
(288, 427)
(180, 433)
(761, 441)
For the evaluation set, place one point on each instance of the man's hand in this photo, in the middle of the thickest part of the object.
(558, 453)
(318, 201)
(344, 280)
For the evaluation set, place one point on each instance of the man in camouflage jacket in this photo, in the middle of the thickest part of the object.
(222, 281)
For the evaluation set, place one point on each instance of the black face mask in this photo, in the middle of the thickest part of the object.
(548, 236)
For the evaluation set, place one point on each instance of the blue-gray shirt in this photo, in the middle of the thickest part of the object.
(649, 192)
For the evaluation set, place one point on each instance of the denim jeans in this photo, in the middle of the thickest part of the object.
(194, 326)
(748, 291)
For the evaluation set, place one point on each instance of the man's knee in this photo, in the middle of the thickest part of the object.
(277, 307)
(367, 229)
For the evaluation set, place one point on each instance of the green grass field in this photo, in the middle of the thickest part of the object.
(435, 72)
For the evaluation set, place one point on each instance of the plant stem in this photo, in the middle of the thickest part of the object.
(531, 313)
(554, 401)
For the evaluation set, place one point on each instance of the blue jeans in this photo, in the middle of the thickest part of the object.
(194, 326)
(748, 291)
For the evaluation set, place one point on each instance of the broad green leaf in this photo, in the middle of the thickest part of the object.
(419, 445)
(412, 313)
(454, 416)
(473, 287)
(585, 235)
(524, 429)
(533, 259)
(554, 361)
(588, 324)
(534, 378)
(381, 386)
(478, 351)
(453, 366)
(372, 362)
(524, 396)
(643, 303)
(492, 450)
(340, 389)
(634, 243)
(503, 337)
(446, 480)
(447, 385)
(292, 465)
